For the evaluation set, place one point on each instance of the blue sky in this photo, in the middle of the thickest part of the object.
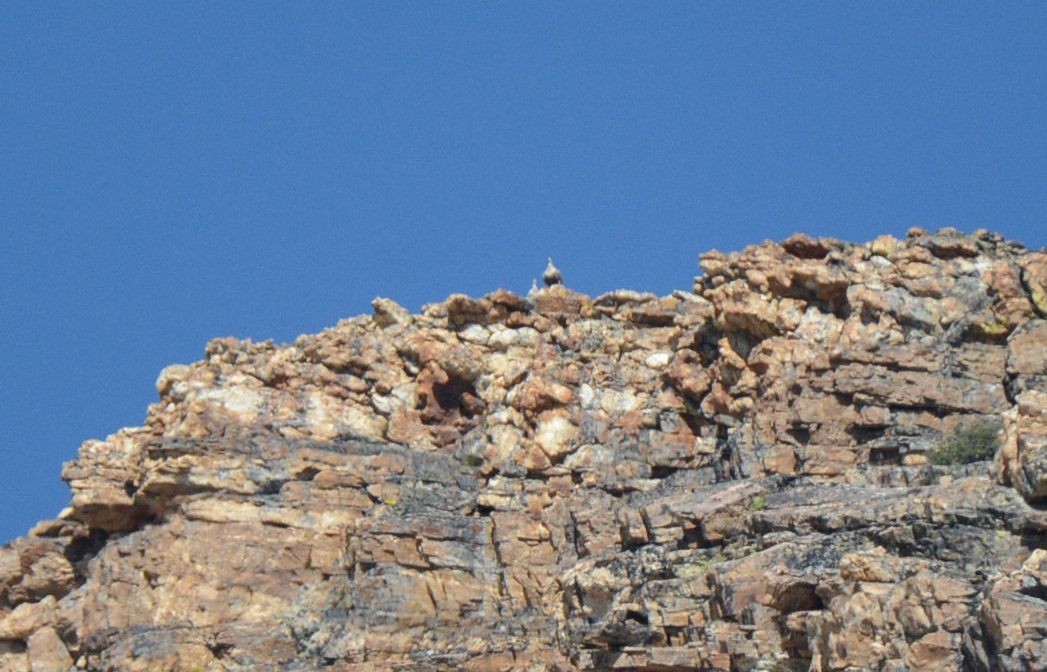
(177, 171)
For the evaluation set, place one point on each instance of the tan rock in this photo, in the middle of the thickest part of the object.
(730, 478)
(1034, 277)
(46, 651)
(1022, 458)
(28, 617)
(1027, 350)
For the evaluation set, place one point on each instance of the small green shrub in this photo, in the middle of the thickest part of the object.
(699, 568)
(758, 503)
(967, 443)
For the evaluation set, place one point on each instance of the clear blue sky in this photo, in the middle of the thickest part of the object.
(174, 172)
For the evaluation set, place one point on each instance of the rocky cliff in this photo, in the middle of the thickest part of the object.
(734, 477)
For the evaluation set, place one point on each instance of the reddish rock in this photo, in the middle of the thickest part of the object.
(737, 477)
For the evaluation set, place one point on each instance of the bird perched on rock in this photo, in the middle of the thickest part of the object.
(552, 275)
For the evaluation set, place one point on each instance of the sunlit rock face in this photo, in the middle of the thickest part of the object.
(740, 476)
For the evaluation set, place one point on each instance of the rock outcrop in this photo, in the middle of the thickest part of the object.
(734, 477)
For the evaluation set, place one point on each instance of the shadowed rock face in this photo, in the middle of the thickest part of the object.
(729, 478)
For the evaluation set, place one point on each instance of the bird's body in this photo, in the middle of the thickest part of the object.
(552, 275)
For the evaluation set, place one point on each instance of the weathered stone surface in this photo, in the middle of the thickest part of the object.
(47, 652)
(1034, 277)
(1014, 613)
(730, 478)
(1023, 456)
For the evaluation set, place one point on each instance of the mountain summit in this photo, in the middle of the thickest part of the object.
(822, 456)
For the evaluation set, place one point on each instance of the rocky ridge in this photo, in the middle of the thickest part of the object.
(729, 478)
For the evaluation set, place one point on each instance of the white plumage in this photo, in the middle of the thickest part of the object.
(552, 275)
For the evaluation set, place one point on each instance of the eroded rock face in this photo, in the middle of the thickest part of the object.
(729, 478)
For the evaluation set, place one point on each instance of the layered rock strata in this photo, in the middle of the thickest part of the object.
(729, 478)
